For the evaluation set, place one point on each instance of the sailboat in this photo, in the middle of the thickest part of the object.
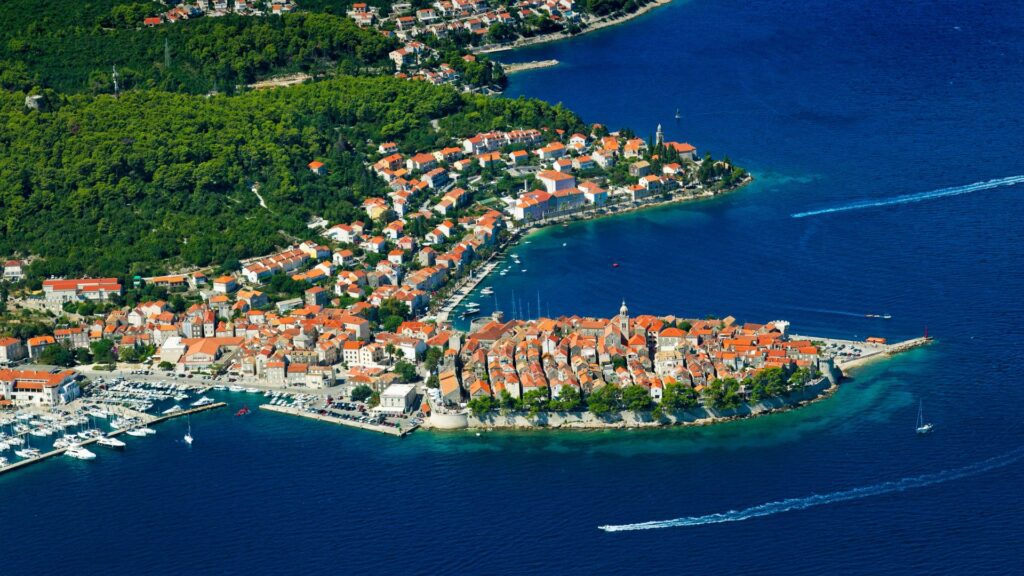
(188, 435)
(922, 426)
(678, 115)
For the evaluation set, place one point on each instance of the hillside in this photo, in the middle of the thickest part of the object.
(154, 179)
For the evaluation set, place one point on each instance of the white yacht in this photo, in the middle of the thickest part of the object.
(110, 442)
(148, 431)
(27, 453)
(922, 426)
(80, 452)
(3, 462)
(252, 390)
(136, 432)
(203, 401)
(172, 409)
(236, 388)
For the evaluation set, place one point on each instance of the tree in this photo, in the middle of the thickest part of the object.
(433, 381)
(165, 365)
(406, 371)
(482, 405)
(678, 397)
(102, 351)
(361, 393)
(535, 400)
(636, 398)
(604, 400)
(722, 394)
(433, 357)
(569, 399)
(57, 355)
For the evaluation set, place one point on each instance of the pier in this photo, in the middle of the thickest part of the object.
(400, 432)
(863, 352)
(155, 420)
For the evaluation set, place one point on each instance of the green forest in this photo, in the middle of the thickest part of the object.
(73, 45)
(152, 179)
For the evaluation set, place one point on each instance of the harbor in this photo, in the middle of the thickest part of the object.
(152, 420)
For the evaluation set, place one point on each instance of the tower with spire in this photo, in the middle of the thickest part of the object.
(659, 136)
(624, 320)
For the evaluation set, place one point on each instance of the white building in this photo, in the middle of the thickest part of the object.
(398, 398)
(38, 387)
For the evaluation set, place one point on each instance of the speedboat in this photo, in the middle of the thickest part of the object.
(110, 442)
(253, 390)
(136, 432)
(3, 462)
(78, 451)
(487, 291)
(236, 389)
(147, 431)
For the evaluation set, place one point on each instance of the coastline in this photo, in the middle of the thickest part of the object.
(592, 26)
(628, 420)
(478, 274)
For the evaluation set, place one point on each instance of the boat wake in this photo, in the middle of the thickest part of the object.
(908, 198)
(790, 504)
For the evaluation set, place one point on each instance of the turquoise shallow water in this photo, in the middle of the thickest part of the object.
(828, 104)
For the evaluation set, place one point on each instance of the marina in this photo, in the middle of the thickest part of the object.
(78, 450)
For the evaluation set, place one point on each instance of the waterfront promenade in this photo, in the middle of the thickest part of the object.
(334, 419)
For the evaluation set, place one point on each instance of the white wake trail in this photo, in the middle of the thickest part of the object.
(908, 198)
(791, 504)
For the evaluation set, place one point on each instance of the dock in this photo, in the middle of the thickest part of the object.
(866, 351)
(401, 433)
(155, 420)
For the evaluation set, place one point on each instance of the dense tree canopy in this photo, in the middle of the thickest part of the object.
(72, 45)
(114, 186)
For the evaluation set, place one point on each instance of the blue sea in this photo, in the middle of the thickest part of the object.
(861, 107)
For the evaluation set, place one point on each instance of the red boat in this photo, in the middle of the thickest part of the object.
(242, 411)
(615, 265)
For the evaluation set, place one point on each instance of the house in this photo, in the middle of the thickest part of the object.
(554, 181)
(317, 167)
(552, 151)
(375, 207)
(640, 169)
(594, 194)
(517, 157)
(225, 285)
(421, 162)
(451, 390)
(387, 148)
(436, 178)
(37, 344)
(584, 163)
(13, 270)
(11, 350)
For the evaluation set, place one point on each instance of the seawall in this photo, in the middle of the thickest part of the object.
(700, 416)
